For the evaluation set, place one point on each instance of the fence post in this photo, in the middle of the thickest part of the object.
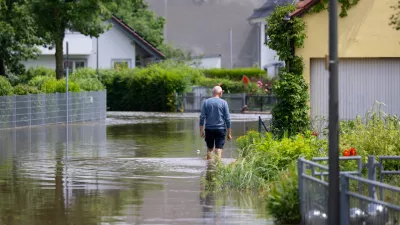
(371, 176)
(300, 171)
(30, 109)
(344, 200)
(57, 111)
(14, 111)
(259, 125)
(244, 99)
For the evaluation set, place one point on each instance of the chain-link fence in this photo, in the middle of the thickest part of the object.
(42, 109)
(237, 102)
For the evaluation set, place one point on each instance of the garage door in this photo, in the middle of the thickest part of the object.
(361, 83)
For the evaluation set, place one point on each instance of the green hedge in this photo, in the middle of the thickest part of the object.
(5, 87)
(230, 86)
(24, 89)
(237, 73)
(148, 89)
(53, 86)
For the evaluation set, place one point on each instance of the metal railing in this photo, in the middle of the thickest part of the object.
(42, 109)
(359, 201)
(237, 102)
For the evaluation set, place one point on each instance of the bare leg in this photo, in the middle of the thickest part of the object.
(209, 153)
(218, 151)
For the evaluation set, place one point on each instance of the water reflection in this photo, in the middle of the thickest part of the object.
(125, 174)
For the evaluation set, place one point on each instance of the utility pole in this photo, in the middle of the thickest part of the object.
(334, 191)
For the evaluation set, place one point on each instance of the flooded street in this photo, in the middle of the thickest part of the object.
(131, 169)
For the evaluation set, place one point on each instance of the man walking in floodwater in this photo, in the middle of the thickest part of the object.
(215, 112)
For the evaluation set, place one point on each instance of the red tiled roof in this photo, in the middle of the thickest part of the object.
(303, 6)
(138, 37)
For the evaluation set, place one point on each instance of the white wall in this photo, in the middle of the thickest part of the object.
(48, 61)
(113, 44)
(207, 63)
(267, 55)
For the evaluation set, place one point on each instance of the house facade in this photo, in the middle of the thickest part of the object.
(369, 58)
(233, 29)
(118, 46)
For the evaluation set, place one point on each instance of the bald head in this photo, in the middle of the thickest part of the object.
(217, 90)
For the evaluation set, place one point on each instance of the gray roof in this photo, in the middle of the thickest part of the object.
(268, 7)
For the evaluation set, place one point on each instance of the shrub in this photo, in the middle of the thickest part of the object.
(24, 89)
(83, 73)
(106, 77)
(237, 73)
(39, 81)
(290, 114)
(53, 86)
(148, 89)
(36, 71)
(262, 158)
(89, 84)
(283, 199)
(5, 87)
(230, 86)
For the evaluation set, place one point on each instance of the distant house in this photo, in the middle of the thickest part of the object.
(120, 45)
(268, 59)
(369, 58)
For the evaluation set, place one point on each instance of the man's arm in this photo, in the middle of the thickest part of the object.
(202, 118)
(227, 118)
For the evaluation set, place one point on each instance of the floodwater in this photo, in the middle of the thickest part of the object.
(131, 169)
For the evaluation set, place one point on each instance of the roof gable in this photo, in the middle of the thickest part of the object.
(303, 6)
(266, 9)
(138, 38)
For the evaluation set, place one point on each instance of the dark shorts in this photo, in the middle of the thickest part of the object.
(215, 138)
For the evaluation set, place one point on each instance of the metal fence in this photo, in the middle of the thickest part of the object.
(360, 203)
(42, 109)
(262, 103)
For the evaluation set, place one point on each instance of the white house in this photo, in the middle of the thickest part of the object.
(268, 59)
(118, 45)
(206, 62)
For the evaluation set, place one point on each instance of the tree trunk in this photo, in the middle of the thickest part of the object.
(2, 68)
(59, 56)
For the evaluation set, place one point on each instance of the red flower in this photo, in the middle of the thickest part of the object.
(314, 134)
(353, 152)
(245, 79)
(346, 153)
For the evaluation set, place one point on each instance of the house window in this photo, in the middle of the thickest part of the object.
(73, 65)
(266, 38)
(121, 63)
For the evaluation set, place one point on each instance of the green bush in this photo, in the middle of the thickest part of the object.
(106, 76)
(39, 81)
(283, 199)
(83, 73)
(230, 86)
(5, 87)
(290, 114)
(237, 74)
(89, 84)
(262, 158)
(36, 71)
(53, 86)
(149, 89)
(24, 89)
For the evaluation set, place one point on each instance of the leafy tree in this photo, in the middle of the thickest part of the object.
(55, 17)
(137, 15)
(17, 36)
(290, 114)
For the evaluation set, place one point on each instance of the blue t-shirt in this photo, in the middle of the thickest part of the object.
(215, 112)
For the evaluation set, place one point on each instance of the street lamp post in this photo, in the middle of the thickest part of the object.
(334, 191)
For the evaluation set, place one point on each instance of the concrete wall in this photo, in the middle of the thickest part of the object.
(364, 33)
(207, 63)
(204, 28)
